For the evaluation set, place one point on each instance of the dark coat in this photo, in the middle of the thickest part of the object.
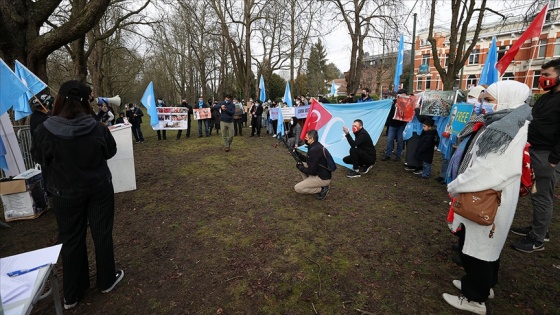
(316, 162)
(362, 142)
(75, 153)
(426, 146)
(134, 120)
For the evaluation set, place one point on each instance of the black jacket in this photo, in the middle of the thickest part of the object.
(362, 142)
(74, 153)
(134, 120)
(426, 146)
(544, 129)
(36, 118)
(316, 162)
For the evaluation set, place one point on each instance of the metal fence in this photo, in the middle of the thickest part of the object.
(23, 135)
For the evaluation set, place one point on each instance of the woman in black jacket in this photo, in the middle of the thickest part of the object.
(74, 148)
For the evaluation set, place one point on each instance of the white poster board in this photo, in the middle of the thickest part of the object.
(122, 164)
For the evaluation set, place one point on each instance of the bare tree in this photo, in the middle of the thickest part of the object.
(23, 20)
(361, 17)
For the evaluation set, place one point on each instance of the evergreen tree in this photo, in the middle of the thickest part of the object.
(316, 70)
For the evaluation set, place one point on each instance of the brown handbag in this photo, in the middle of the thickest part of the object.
(479, 207)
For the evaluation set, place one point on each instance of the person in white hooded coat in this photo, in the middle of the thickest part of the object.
(493, 160)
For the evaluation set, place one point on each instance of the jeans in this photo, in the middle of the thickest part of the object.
(206, 130)
(546, 178)
(395, 133)
(427, 170)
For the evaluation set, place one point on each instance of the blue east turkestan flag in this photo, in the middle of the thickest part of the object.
(333, 89)
(11, 88)
(399, 65)
(34, 85)
(288, 95)
(149, 100)
(262, 90)
(280, 131)
(489, 72)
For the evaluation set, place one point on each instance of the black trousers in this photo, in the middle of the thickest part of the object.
(160, 133)
(256, 125)
(187, 134)
(480, 277)
(238, 126)
(137, 133)
(359, 158)
(72, 217)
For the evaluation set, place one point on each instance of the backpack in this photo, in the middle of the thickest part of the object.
(527, 174)
(331, 165)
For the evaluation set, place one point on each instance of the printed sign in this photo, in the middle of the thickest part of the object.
(439, 103)
(202, 113)
(405, 107)
(460, 115)
(172, 118)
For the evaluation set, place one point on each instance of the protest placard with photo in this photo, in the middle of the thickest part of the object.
(460, 115)
(405, 107)
(172, 118)
(202, 113)
(439, 103)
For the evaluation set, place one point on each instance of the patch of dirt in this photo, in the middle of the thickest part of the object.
(210, 232)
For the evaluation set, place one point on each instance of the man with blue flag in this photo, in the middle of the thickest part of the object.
(314, 171)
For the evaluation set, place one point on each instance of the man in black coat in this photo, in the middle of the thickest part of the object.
(315, 173)
(134, 115)
(256, 117)
(362, 151)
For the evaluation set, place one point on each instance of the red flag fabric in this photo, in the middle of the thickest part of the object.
(317, 117)
(534, 30)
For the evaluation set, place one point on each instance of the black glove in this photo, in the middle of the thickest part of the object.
(300, 166)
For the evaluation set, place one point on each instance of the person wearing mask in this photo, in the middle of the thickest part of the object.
(256, 116)
(134, 115)
(74, 148)
(316, 176)
(362, 150)
(186, 105)
(120, 119)
(202, 122)
(226, 110)
(161, 133)
(294, 135)
(487, 162)
(544, 137)
(238, 118)
(365, 96)
(395, 132)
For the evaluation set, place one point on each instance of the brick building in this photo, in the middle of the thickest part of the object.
(524, 68)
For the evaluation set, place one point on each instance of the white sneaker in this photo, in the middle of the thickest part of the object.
(457, 284)
(118, 277)
(461, 303)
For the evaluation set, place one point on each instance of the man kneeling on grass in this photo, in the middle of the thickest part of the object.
(362, 151)
(316, 176)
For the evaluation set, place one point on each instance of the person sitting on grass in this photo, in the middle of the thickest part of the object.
(362, 151)
(316, 176)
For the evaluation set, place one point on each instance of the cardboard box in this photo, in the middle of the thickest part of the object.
(24, 197)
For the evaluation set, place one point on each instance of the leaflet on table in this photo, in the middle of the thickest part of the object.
(22, 286)
(172, 118)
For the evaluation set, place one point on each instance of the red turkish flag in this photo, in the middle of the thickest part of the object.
(534, 30)
(317, 117)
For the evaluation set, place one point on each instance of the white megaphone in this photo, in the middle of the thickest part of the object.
(115, 100)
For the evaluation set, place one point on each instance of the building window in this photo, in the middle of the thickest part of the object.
(557, 48)
(473, 58)
(425, 59)
(428, 82)
(471, 81)
(536, 75)
(419, 84)
(542, 48)
(502, 51)
(508, 76)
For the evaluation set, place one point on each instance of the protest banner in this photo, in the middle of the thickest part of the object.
(172, 118)
(405, 107)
